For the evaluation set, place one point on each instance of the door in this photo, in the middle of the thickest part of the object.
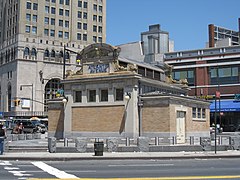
(180, 122)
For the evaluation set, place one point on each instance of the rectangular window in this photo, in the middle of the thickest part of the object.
(199, 112)
(29, 5)
(53, 10)
(119, 94)
(94, 17)
(104, 95)
(194, 111)
(60, 1)
(95, 7)
(27, 29)
(34, 18)
(28, 17)
(60, 34)
(46, 9)
(84, 15)
(79, 3)
(94, 28)
(100, 29)
(94, 39)
(78, 96)
(99, 18)
(203, 113)
(85, 4)
(46, 32)
(67, 24)
(67, 2)
(52, 21)
(53, 1)
(84, 26)
(100, 39)
(85, 37)
(46, 20)
(79, 25)
(66, 35)
(66, 12)
(52, 33)
(100, 8)
(35, 6)
(92, 96)
(60, 23)
(79, 37)
(34, 30)
(61, 12)
(79, 14)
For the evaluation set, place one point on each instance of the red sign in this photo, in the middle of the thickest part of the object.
(218, 94)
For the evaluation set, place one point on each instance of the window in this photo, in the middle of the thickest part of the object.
(94, 39)
(46, 32)
(194, 112)
(92, 96)
(46, 9)
(66, 35)
(53, 10)
(60, 34)
(66, 24)
(26, 51)
(100, 8)
(79, 14)
(95, 7)
(79, 25)
(60, 1)
(79, 3)
(67, 2)
(27, 29)
(29, 5)
(66, 12)
(119, 94)
(94, 28)
(78, 96)
(104, 95)
(28, 17)
(52, 53)
(52, 21)
(60, 23)
(84, 15)
(85, 4)
(84, 26)
(199, 112)
(100, 39)
(61, 12)
(84, 37)
(94, 17)
(34, 30)
(53, 1)
(34, 52)
(46, 53)
(35, 6)
(34, 18)
(79, 36)
(100, 29)
(46, 20)
(203, 113)
(99, 18)
(52, 32)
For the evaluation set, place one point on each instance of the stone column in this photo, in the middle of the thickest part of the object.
(52, 145)
(112, 144)
(81, 144)
(143, 144)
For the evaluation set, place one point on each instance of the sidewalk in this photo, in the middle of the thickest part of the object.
(46, 156)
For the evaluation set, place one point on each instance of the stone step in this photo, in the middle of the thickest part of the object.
(26, 149)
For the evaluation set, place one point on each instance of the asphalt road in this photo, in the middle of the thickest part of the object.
(129, 169)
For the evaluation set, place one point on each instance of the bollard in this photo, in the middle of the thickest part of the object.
(174, 140)
(65, 142)
(219, 140)
(127, 141)
(156, 141)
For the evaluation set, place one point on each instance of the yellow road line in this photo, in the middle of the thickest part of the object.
(157, 178)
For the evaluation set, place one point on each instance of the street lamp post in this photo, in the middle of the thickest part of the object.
(28, 85)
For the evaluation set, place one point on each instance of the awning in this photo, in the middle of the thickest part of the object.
(226, 106)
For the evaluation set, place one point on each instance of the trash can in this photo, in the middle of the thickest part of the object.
(1, 145)
(98, 148)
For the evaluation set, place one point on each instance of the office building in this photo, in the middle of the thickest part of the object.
(32, 38)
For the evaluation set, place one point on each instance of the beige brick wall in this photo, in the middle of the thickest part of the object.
(155, 119)
(55, 120)
(97, 119)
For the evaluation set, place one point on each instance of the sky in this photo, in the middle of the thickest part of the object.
(186, 20)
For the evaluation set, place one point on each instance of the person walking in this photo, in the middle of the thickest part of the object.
(2, 137)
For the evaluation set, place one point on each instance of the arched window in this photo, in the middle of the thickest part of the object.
(60, 54)
(34, 52)
(52, 53)
(46, 53)
(67, 56)
(26, 51)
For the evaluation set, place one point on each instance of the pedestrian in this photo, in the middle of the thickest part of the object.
(20, 128)
(2, 137)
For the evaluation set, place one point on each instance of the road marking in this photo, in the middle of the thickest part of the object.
(138, 165)
(53, 171)
(11, 168)
(19, 173)
(5, 163)
(159, 178)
